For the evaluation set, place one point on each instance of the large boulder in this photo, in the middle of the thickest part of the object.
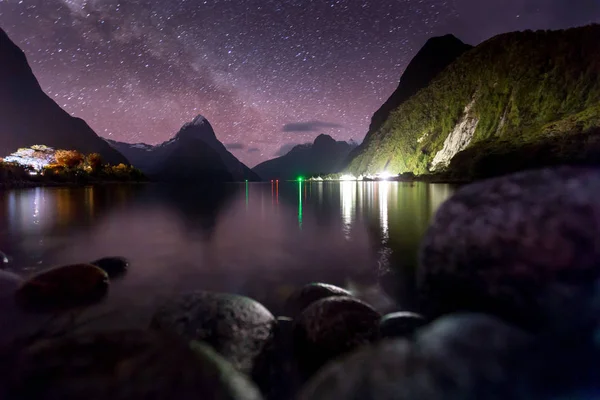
(63, 288)
(235, 326)
(459, 357)
(525, 247)
(306, 295)
(121, 365)
(330, 328)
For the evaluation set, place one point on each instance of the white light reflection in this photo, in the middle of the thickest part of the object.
(348, 193)
(384, 189)
(29, 210)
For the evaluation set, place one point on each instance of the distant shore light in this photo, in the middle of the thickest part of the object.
(348, 178)
(384, 175)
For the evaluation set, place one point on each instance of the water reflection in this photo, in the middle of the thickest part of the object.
(348, 198)
(261, 240)
(384, 188)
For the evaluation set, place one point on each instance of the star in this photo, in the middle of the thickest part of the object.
(137, 70)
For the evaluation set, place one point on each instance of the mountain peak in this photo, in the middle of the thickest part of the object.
(198, 128)
(323, 139)
(437, 53)
(448, 39)
(199, 120)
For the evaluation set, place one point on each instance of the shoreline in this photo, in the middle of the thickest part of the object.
(34, 184)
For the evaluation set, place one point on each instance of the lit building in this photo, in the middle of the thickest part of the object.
(35, 157)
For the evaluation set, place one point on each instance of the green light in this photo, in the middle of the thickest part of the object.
(300, 179)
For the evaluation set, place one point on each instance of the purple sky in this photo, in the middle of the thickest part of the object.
(266, 73)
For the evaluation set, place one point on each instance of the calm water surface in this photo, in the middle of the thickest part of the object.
(262, 240)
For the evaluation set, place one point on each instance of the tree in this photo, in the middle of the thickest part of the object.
(94, 161)
(69, 158)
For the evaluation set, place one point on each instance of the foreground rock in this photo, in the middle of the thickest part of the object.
(61, 288)
(114, 266)
(332, 327)
(122, 365)
(235, 326)
(9, 283)
(459, 357)
(305, 296)
(525, 247)
(275, 370)
(400, 325)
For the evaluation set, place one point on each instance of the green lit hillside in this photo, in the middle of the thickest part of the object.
(538, 91)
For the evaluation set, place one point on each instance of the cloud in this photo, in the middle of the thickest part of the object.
(253, 150)
(310, 126)
(235, 146)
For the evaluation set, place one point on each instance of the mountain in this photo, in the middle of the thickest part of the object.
(430, 61)
(193, 154)
(29, 117)
(433, 58)
(519, 100)
(324, 156)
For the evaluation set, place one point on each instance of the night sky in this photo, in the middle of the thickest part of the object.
(266, 73)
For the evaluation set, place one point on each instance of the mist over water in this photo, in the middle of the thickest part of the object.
(262, 240)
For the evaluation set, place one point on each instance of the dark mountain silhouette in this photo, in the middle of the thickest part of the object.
(193, 154)
(324, 156)
(29, 117)
(519, 100)
(433, 58)
(430, 61)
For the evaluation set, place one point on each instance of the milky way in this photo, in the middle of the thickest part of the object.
(266, 73)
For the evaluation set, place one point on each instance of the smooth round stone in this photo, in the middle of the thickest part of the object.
(525, 247)
(237, 327)
(113, 266)
(330, 328)
(305, 296)
(62, 288)
(464, 357)
(122, 365)
(400, 324)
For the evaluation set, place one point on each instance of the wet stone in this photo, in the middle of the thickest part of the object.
(471, 357)
(330, 328)
(236, 327)
(305, 296)
(125, 365)
(525, 247)
(63, 288)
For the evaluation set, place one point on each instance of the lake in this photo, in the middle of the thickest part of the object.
(262, 240)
